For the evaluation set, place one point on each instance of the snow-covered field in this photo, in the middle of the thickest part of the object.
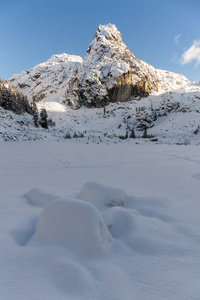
(99, 221)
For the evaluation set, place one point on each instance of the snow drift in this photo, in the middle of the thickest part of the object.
(39, 197)
(102, 196)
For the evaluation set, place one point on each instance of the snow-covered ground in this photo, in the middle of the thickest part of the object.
(99, 221)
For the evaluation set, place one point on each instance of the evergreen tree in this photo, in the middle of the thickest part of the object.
(35, 115)
(43, 118)
(132, 134)
(145, 133)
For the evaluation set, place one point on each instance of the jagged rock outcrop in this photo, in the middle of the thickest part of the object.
(11, 99)
(47, 80)
(109, 73)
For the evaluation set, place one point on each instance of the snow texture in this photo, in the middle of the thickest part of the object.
(142, 244)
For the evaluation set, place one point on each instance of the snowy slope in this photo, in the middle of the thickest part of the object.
(47, 80)
(169, 81)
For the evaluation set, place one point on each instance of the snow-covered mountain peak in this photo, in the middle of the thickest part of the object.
(63, 58)
(108, 73)
(108, 32)
(106, 42)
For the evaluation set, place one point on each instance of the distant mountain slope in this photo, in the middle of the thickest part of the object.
(108, 73)
(47, 80)
(170, 81)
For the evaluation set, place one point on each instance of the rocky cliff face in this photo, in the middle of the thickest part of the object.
(109, 73)
(11, 99)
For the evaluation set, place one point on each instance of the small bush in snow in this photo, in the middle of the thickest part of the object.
(147, 136)
(78, 135)
(51, 123)
(124, 137)
(68, 136)
(119, 126)
(197, 130)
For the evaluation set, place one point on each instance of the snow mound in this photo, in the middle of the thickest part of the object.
(144, 235)
(132, 230)
(73, 224)
(119, 221)
(39, 197)
(102, 196)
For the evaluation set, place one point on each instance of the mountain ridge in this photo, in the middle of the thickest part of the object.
(108, 73)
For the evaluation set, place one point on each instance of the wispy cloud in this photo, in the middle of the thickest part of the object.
(192, 54)
(177, 39)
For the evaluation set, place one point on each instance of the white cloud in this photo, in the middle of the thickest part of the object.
(177, 39)
(192, 54)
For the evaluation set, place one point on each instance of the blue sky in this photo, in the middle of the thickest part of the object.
(165, 34)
